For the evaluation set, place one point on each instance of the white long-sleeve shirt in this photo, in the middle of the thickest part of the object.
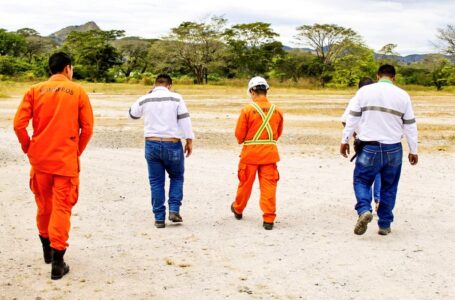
(382, 112)
(165, 114)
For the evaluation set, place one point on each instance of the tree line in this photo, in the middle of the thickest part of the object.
(211, 51)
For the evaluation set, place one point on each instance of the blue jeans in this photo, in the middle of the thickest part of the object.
(377, 188)
(380, 159)
(165, 157)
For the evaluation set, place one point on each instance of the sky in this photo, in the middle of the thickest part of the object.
(412, 25)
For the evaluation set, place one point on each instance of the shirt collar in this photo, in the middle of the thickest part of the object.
(58, 77)
(160, 88)
(261, 99)
(386, 81)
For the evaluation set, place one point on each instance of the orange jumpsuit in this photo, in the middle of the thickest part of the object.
(62, 127)
(258, 157)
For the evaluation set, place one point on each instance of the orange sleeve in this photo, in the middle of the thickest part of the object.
(280, 125)
(22, 118)
(85, 121)
(241, 128)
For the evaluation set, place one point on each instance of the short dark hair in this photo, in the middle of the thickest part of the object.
(259, 89)
(386, 70)
(163, 79)
(58, 61)
(365, 81)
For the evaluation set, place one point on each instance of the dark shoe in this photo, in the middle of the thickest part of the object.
(175, 217)
(362, 223)
(236, 215)
(267, 226)
(160, 224)
(47, 251)
(384, 231)
(59, 267)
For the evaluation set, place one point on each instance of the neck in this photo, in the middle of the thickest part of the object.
(386, 78)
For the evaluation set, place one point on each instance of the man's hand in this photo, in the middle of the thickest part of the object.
(413, 159)
(344, 150)
(188, 147)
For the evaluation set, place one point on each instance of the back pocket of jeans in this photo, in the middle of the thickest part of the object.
(366, 158)
(395, 158)
(174, 154)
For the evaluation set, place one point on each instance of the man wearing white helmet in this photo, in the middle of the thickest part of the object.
(258, 128)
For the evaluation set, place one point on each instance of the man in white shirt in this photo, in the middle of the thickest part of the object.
(166, 122)
(381, 113)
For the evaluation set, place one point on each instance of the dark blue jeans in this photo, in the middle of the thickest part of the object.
(377, 188)
(384, 159)
(165, 157)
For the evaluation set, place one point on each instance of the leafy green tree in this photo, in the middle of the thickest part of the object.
(93, 53)
(11, 43)
(252, 48)
(133, 51)
(295, 64)
(197, 46)
(329, 41)
(357, 61)
(440, 69)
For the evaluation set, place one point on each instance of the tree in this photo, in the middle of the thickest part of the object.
(388, 54)
(329, 42)
(11, 43)
(252, 48)
(133, 52)
(439, 68)
(197, 45)
(295, 64)
(447, 37)
(93, 53)
(357, 62)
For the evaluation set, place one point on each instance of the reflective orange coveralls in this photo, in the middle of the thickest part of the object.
(258, 156)
(62, 127)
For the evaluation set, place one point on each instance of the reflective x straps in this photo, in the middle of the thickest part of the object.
(264, 126)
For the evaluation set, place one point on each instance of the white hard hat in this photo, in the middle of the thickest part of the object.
(255, 81)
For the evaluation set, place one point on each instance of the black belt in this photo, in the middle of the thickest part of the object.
(371, 143)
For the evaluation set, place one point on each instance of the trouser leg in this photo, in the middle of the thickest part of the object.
(156, 173)
(175, 167)
(390, 177)
(246, 175)
(268, 179)
(65, 194)
(41, 186)
(367, 165)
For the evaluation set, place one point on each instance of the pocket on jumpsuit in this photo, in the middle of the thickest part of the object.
(366, 158)
(277, 174)
(241, 173)
(74, 190)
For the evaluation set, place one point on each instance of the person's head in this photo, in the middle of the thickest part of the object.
(60, 63)
(163, 80)
(258, 86)
(386, 71)
(365, 81)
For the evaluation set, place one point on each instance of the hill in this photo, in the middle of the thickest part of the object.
(60, 36)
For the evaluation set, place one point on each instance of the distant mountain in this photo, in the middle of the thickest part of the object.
(60, 36)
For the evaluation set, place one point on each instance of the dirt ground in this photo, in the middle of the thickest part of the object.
(116, 253)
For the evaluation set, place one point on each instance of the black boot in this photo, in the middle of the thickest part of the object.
(47, 252)
(59, 267)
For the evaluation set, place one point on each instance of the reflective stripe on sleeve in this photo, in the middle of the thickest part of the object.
(408, 122)
(183, 116)
(355, 113)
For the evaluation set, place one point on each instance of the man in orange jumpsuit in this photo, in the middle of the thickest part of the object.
(62, 127)
(259, 127)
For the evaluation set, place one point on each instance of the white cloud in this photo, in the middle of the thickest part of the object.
(410, 24)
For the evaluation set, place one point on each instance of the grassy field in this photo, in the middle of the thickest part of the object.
(311, 115)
